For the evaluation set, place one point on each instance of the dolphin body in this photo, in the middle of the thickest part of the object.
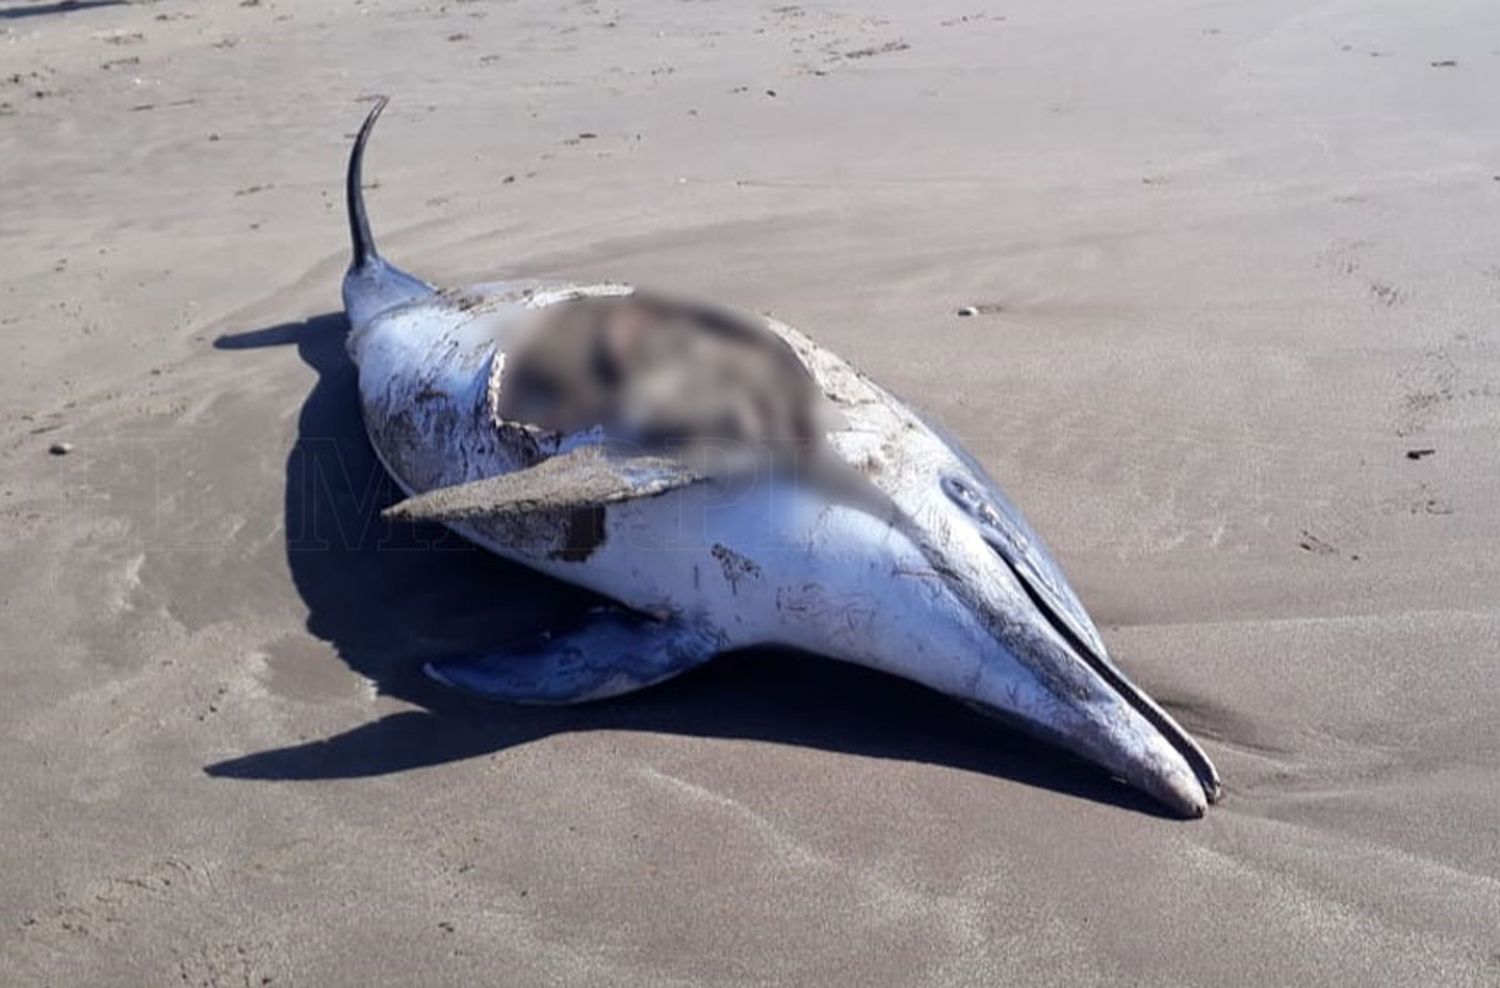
(894, 550)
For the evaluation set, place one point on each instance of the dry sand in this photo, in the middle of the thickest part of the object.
(1233, 261)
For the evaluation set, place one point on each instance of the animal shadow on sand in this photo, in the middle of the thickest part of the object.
(388, 597)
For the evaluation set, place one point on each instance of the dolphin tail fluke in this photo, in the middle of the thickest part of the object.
(359, 221)
(371, 285)
(613, 651)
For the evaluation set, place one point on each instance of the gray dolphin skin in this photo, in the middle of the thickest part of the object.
(726, 483)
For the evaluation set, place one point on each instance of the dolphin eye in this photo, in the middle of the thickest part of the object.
(965, 496)
(960, 493)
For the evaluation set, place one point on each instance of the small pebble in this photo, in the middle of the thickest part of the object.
(968, 310)
(60, 449)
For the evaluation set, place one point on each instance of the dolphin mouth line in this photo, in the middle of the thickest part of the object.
(1176, 737)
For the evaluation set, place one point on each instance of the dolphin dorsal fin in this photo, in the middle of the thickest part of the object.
(586, 477)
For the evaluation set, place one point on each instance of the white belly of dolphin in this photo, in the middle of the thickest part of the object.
(767, 562)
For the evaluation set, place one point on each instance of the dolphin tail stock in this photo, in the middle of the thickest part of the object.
(371, 285)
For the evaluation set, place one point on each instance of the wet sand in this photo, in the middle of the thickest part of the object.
(1236, 271)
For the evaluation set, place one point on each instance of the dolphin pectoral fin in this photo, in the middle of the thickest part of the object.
(612, 651)
(587, 477)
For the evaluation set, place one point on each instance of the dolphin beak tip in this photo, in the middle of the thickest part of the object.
(1172, 781)
(1197, 810)
(1190, 800)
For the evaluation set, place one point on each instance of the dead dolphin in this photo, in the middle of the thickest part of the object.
(729, 483)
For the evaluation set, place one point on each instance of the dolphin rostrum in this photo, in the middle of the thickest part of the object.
(726, 482)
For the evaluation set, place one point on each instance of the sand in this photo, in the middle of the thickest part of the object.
(1234, 266)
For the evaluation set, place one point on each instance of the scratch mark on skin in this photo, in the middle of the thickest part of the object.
(735, 566)
(846, 619)
(802, 600)
(462, 299)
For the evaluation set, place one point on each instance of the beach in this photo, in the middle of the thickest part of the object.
(1232, 274)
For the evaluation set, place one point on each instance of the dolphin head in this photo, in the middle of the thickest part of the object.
(1078, 697)
(976, 607)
